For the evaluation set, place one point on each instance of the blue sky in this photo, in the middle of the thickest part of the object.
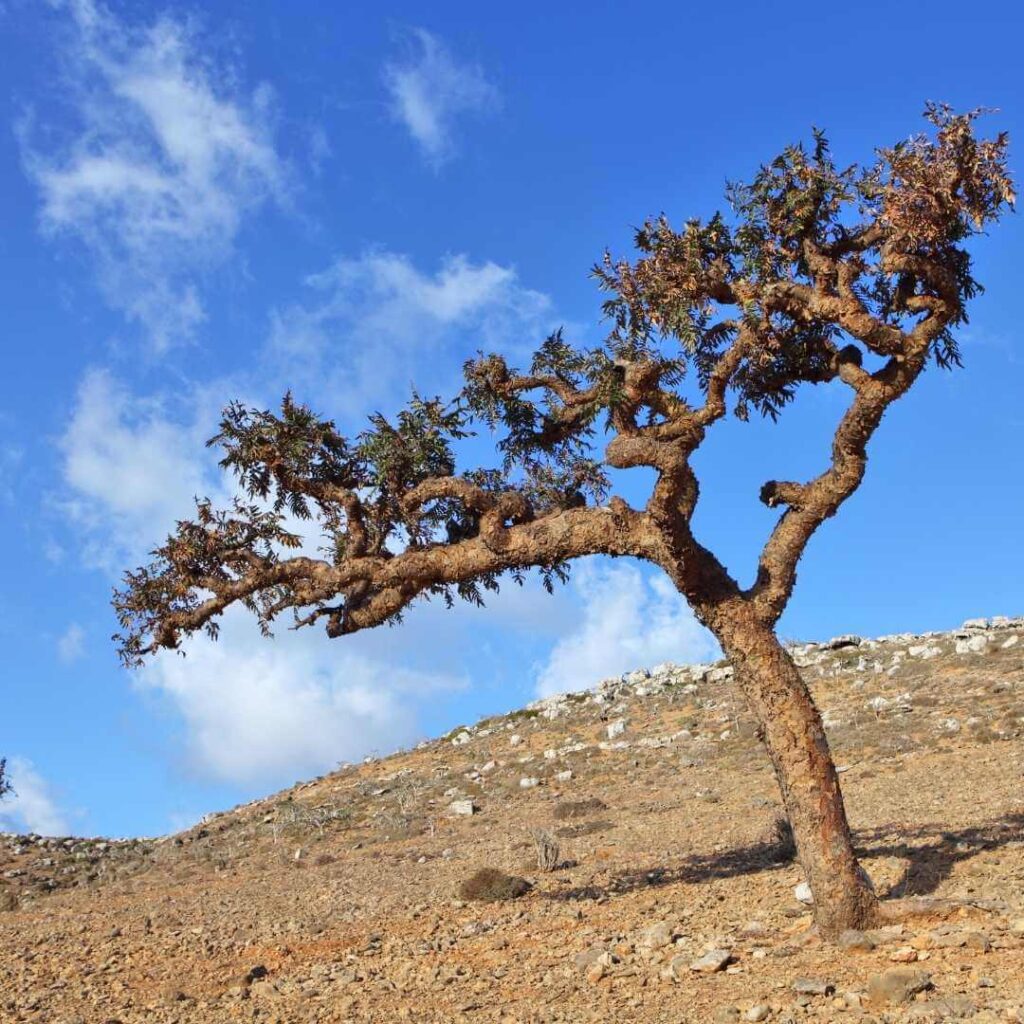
(202, 203)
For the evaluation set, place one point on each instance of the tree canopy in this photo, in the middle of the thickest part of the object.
(816, 273)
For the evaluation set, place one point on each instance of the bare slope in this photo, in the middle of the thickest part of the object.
(338, 900)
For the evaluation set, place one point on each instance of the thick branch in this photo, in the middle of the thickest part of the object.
(391, 583)
(812, 503)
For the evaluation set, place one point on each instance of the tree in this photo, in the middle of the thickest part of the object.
(858, 275)
(5, 782)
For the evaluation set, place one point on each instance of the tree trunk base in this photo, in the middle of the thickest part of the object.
(844, 897)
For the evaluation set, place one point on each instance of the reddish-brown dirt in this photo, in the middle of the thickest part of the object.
(339, 900)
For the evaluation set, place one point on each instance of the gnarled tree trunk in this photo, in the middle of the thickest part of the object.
(795, 737)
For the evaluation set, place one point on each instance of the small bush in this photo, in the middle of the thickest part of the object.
(490, 884)
(780, 839)
(569, 809)
(547, 849)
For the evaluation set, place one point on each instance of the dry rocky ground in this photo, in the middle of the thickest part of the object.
(339, 900)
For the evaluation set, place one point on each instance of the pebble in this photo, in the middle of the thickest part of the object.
(803, 894)
(713, 960)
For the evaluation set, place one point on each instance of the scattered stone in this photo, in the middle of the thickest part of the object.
(463, 807)
(758, 1012)
(972, 645)
(898, 985)
(803, 894)
(904, 955)
(954, 1007)
(587, 957)
(855, 941)
(599, 967)
(839, 642)
(657, 936)
(616, 729)
(676, 969)
(528, 783)
(713, 960)
(812, 987)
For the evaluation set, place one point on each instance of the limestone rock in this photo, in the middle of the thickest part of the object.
(713, 960)
(898, 985)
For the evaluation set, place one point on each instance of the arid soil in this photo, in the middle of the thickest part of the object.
(339, 900)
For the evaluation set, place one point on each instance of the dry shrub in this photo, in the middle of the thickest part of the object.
(491, 884)
(547, 849)
(780, 839)
(568, 809)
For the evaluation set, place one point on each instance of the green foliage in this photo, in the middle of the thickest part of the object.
(815, 267)
(920, 199)
(5, 782)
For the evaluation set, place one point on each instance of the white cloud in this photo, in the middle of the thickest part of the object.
(167, 158)
(71, 644)
(628, 620)
(429, 91)
(31, 807)
(379, 323)
(12, 457)
(259, 710)
(132, 468)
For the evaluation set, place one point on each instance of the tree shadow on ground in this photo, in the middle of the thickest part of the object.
(931, 852)
(743, 860)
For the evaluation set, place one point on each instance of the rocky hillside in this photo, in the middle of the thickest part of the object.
(643, 818)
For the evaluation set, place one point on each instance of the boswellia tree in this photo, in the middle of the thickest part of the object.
(858, 275)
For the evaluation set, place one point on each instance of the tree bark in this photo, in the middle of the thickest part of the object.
(795, 737)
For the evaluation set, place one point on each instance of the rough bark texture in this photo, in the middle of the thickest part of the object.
(755, 310)
(795, 739)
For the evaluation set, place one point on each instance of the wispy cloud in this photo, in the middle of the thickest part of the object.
(259, 710)
(132, 467)
(71, 644)
(627, 619)
(377, 322)
(32, 806)
(166, 157)
(430, 91)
